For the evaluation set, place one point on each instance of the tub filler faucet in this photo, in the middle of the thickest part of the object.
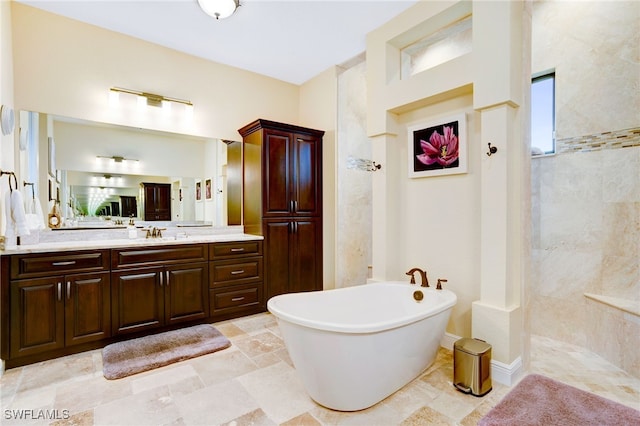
(423, 275)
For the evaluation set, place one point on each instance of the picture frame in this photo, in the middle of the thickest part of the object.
(437, 147)
(208, 190)
(198, 191)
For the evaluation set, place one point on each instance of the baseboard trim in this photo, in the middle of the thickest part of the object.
(506, 374)
(448, 340)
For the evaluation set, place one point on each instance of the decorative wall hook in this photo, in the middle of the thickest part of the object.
(492, 150)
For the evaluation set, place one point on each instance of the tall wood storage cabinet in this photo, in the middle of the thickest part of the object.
(156, 201)
(282, 201)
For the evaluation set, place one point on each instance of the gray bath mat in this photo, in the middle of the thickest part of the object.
(146, 353)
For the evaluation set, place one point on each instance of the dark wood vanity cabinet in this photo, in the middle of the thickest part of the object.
(156, 201)
(54, 304)
(56, 301)
(282, 199)
(174, 290)
(236, 285)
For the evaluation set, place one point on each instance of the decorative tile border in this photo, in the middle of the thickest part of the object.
(607, 140)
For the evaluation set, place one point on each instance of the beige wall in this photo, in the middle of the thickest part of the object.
(467, 228)
(66, 68)
(6, 83)
(318, 101)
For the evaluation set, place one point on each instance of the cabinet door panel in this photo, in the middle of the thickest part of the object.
(137, 300)
(87, 308)
(187, 292)
(277, 195)
(37, 316)
(306, 258)
(277, 257)
(307, 176)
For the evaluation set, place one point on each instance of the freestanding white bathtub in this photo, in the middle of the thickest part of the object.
(354, 346)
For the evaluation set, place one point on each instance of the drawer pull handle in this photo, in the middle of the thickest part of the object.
(237, 249)
(70, 262)
(237, 299)
(241, 271)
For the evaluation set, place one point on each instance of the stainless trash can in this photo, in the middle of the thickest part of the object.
(472, 366)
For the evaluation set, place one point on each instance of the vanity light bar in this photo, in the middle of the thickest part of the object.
(152, 98)
(117, 158)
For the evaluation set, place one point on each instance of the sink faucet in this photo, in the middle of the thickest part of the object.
(423, 274)
(154, 232)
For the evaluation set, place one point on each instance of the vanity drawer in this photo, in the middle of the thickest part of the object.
(146, 256)
(235, 249)
(47, 264)
(226, 272)
(222, 300)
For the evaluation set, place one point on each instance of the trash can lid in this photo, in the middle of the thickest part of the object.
(472, 346)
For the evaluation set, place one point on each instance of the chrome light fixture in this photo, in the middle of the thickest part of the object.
(219, 9)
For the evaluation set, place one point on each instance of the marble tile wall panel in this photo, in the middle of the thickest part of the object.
(586, 239)
(354, 216)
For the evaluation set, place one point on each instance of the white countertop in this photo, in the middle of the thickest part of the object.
(123, 243)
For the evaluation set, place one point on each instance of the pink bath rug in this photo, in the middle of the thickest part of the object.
(539, 400)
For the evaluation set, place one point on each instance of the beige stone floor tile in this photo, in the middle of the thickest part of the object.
(254, 382)
(56, 371)
(255, 323)
(88, 394)
(162, 376)
(305, 419)
(411, 397)
(278, 390)
(229, 329)
(379, 414)
(222, 366)
(260, 343)
(254, 418)
(427, 416)
(152, 407)
(83, 418)
(216, 404)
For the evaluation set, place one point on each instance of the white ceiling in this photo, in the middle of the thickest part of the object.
(291, 40)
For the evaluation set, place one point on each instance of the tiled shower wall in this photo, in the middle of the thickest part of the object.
(586, 198)
(353, 186)
(586, 239)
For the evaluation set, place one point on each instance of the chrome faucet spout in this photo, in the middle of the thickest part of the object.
(423, 276)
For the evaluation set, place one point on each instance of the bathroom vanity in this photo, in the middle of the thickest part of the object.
(58, 299)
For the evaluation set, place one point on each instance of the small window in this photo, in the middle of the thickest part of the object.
(543, 127)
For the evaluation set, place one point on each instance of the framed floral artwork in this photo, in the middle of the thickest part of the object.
(437, 147)
(198, 190)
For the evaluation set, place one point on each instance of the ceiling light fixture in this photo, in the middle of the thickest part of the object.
(219, 9)
(152, 99)
(117, 159)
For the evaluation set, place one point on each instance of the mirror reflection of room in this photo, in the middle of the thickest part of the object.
(99, 174)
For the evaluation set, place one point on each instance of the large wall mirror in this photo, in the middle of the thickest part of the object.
(97, 170)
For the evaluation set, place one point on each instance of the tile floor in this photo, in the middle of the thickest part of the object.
(254, 383)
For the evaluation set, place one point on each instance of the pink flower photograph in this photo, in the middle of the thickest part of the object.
(437, 148)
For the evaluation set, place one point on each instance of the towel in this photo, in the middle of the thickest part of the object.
(15, 215)
(34, 214)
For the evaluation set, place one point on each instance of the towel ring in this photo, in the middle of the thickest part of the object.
(15, 179)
